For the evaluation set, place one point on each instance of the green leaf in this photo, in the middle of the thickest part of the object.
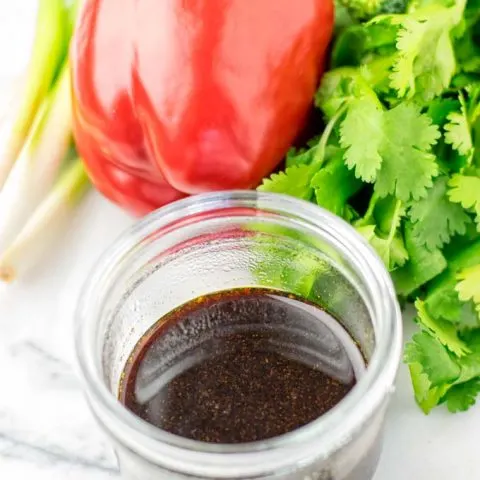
(435, 219)
(442, 299)
(423, 264)
(397, 153)
(465, 190)
(426, 396)
(364, 120)
(469, 286)
(461, 397)
(467, 48)
(445, 303)
(295, 181)
(439, 109)
(426, 61)
(296, 157)
(470, 367)
(349, 46)
(391, 249)
(457, 130)
(472, 339)
(442, 330)
(340, 87)
(436, 362)
(388, 213)
(408, 166)
(384, 235)
(334, 185)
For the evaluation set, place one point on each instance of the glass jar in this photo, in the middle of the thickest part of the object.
(221, 241)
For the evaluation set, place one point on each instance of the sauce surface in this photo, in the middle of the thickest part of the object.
(240, 366)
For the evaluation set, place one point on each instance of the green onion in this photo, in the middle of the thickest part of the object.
(46, 222)
(49, 49)
(38, 165)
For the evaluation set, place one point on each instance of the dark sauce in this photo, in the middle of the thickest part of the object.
(240, 366)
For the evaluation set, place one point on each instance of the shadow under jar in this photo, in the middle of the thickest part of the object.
(223, 247)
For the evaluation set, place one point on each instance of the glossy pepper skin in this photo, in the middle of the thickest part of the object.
(177, 97)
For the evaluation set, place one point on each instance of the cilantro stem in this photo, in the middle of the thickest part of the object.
(395, 221)
(367, 218)
(319, 156)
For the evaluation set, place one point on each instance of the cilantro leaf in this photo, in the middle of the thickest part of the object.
(399, 159)
(465, 190)
(408, 166)
(420, 70)
(444, 302)
(296, 157)
(294, 181)
(439, 109)
(384, 235)
(423, 264)
(438, 376)
(339, 87)
(364, 120)
(469, 286)
(472, 338)
(334, 184)
(442, 299)
(467, 49)
(391, 249)
(436, 219)
(426, 395)
(461, 397)
(397, 153)
(457, 131)
(443, 331)
(470, 367)
(388, 213)
(437, 363)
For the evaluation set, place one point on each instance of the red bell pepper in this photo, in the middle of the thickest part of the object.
(176, 97)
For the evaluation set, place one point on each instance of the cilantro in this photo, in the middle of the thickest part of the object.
(439, 109)
(458, 132)
(463, 396)
(364, 119)
(334, 185)
(442, 330)
(425, 61)
(423, 264)
(436, 219)
(388, 213)
(436, 362)
(467, 48)
(389, 245)
(408, 165)
(398, 154)
(294, 181)
(426, 395)
(442, 299)
(399, 159)
(295, 157)
(340, 87)
(469, 286)
(391, 249)
(465, 190)
(443, 302)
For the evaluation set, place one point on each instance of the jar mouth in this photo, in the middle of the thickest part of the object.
(329, 430)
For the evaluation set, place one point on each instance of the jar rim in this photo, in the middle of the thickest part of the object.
(328, 431)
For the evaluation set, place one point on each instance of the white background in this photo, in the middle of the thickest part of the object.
(46, 431)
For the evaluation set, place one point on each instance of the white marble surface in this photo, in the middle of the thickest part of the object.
(46, 431)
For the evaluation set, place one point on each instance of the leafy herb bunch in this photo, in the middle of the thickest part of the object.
(399, 159)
